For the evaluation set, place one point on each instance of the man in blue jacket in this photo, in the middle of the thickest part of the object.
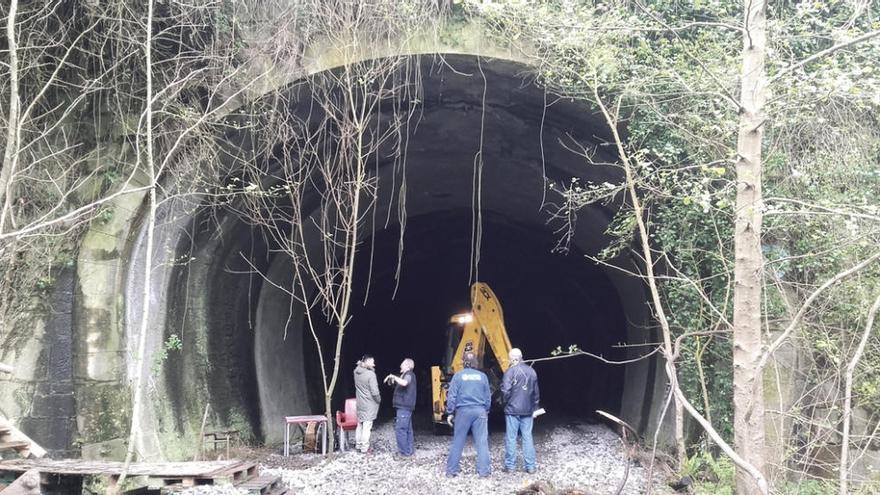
(519, 390)
(467, 404)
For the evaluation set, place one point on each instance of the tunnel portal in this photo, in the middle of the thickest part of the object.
(250, 345)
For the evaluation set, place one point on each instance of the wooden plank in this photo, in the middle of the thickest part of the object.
(14, 444)
(205, 469)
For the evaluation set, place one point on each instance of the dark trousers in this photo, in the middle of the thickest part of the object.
(404, 432)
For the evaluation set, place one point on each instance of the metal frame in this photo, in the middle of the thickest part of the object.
(301, 420)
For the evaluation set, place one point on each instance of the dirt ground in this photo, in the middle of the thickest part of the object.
(585, 457)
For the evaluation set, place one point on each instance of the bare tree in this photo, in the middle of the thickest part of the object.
(314, 182)
(135, 430)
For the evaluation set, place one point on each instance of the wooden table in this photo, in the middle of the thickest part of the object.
(304, 420)
(219, 437)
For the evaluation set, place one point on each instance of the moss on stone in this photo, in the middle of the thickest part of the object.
(104, 412)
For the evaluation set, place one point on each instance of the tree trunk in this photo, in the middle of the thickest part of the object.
(748, 398)
(10, 153)
(679, 432)
(135, 431)
(847, 397)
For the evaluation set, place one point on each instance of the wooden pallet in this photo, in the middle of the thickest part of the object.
(160, 475)
(238, 472)
(263, 485)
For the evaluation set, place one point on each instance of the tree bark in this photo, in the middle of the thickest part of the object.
(847, 397)
(134, 439)
(10, 153)
(748, 391)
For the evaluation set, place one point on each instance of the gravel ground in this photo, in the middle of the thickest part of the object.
(214, 490)
(585, 457)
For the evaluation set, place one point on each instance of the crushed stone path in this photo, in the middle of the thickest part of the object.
(586, 457)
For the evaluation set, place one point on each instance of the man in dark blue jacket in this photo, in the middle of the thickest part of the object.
(467, 404)
(519, 390)
(404, 402)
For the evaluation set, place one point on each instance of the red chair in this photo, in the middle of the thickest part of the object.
(346, 421)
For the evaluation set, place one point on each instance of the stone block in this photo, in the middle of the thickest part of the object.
(861, 422)
(54, 406)
(867, 467)
(53, 434)
(103, 411)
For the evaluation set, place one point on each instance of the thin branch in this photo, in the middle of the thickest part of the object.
(796, 319)
(580, 353)
(824, 53)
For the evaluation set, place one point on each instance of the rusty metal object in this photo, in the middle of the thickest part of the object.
(311, 442)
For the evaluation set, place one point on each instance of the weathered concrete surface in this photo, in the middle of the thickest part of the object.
(51, 421)
(100, 385)
(781, 388)
(39, 397)
(286, 369)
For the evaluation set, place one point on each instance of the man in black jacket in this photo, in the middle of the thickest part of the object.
(519, 389)
(404, 402)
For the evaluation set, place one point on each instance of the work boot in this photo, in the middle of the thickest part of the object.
(532, 470)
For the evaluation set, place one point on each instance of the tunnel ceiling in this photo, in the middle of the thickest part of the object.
(526, 138)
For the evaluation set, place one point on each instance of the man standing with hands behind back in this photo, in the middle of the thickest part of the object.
(404, 402)
(519, 389)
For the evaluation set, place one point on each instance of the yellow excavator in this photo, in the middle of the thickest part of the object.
(472, 332)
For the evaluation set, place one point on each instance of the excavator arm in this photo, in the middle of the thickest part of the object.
(481, 328)
(488, 314)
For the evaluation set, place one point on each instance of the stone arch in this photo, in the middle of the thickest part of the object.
(219, 364)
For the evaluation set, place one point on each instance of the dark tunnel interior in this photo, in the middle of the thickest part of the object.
(548, 300)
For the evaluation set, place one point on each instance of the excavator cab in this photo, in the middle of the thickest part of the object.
(479, 331)
(453, 338)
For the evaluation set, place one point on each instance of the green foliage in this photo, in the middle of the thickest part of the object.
(810, 487)
(676, 93)
(712, 476)
(171, 344)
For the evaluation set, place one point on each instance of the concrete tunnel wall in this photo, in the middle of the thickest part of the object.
(234, 357)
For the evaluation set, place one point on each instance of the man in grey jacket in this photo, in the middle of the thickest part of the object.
(519, 389)
(368, 399)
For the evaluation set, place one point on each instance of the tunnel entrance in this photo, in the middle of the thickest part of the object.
(549, 300)
(247, 347)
